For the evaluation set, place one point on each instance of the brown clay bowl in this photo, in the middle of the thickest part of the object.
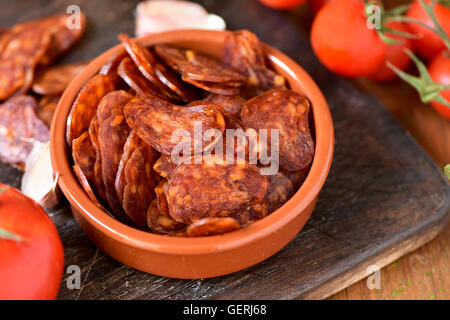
(191, 258)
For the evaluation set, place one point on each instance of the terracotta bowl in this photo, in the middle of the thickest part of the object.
(192, 258)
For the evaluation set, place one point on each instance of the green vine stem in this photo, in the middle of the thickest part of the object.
(425, 86)
(396, 16)
(447, 171)
(3, 189)
(438, 28)
(428, 89)
(385, 17)
(4, 234)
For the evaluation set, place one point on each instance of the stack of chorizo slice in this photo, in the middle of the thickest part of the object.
(127, 157)
(29, 86)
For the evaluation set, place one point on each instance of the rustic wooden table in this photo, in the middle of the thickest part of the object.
(422, 274)
(425, 272)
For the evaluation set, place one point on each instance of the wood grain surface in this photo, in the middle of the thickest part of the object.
(384, 196)
(424, 273)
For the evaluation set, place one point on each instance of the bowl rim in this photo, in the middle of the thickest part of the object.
(128, 235)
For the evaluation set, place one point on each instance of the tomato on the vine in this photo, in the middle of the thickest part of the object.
(31, 252)
(395, 54)
(282, 4)
(343, 42)
(429, 44)
(439, 70)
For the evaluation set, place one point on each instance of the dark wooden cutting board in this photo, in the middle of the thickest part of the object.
(384, 197)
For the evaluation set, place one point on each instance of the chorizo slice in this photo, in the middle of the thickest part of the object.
(46, 108)
(3, 33)
(18, 120)
(26, 49)
(243, 51)
(235, 145)
(84, 155)
(219, 88)
(185, 91)
(98, 173)
(210, 189)
(53, 81)
(85, 105)
(147, 65)
(129, 73)
(263, 80)
(121, 181)
(160, 191)
(212, 226)
(161, 223)
(231, 121)
(12, 77)
(286, 111)
(280, 190)
(238, 146)
(112, 135)
(4, 38)
(112, 104)
(231, 103)
(86, 186)
(268, 79)
(251, 214)
(62, 37)
(197, 66)
(164, 166)
(135, 179)
(110, 67)
(11, 33)
(298, 177)
(158, 218)
(155, 120)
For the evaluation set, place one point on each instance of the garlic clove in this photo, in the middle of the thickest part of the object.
(163, 15)
(215, 22)
(38, 181)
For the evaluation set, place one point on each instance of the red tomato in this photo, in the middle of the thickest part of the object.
(343, 42)
(282, 4)
(439, 70)
(31, 264)
(395, 54)
(429, 45)
(316, 5)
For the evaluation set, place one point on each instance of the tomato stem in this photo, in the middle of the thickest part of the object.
(7, 235)
(429, 9)
(425, 86)
(447, 171)
(3, 189)
(386, 16)
(428, 89)
(401, 33)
